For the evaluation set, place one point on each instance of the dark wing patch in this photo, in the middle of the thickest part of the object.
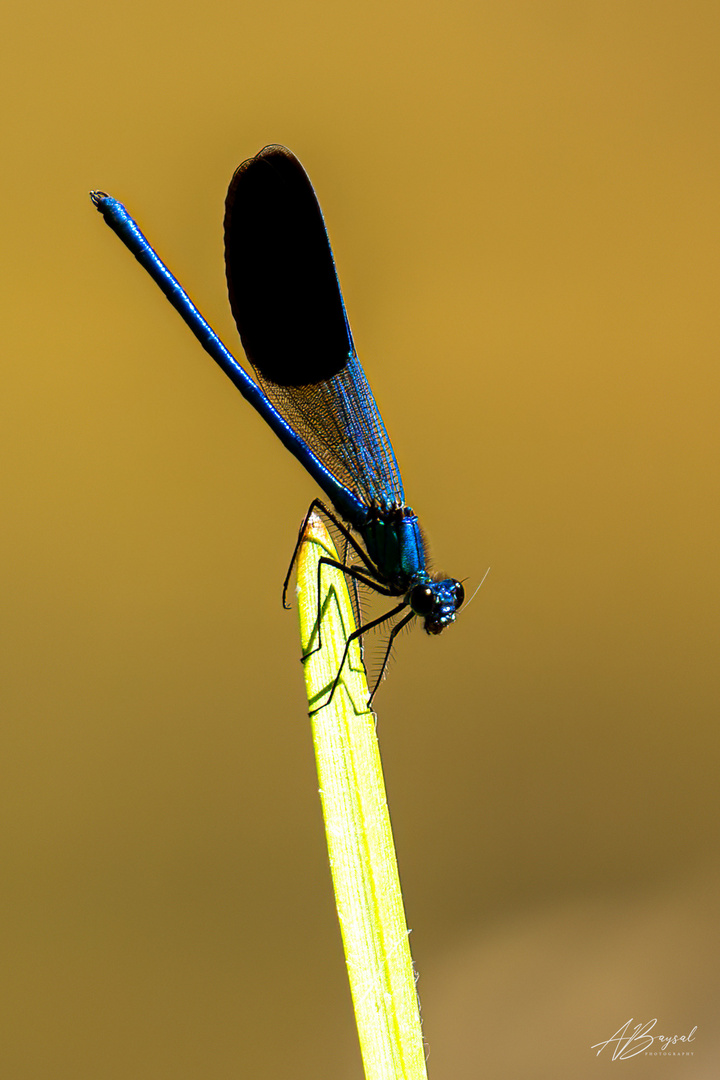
(283, 287)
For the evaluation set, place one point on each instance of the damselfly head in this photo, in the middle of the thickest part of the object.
(436, 602)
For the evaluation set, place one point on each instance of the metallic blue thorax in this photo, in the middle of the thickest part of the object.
(395, 544)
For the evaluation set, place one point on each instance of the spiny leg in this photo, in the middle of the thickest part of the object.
(353, 637)
(355, 598)
(354, 574)
(316, 504)
(393, 634)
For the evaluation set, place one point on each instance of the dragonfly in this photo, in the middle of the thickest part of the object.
(309, 385)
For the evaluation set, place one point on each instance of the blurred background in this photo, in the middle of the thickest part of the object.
(523, 202)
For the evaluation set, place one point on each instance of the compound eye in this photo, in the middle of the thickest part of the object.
(459, 594)
(422, 599)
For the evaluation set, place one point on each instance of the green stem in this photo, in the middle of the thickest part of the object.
(357, 826)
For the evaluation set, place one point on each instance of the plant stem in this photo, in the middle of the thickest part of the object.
(357, 826)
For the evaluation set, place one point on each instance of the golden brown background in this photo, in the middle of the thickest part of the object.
(523, 201)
